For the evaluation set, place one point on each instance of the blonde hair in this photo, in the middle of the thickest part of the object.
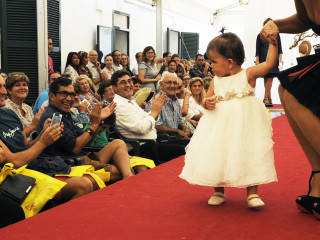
(76, 83)
(202, 94)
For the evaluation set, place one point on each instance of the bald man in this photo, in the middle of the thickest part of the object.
(95, 67)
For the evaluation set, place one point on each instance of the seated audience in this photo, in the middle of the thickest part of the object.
(198, 69)
(17, 89)
(116, 57)
(136, 84)
(72, 65)
(95, 68)
(172, 66)
(14, 146)
(107, 70)
(73, 139)
(106, 92)
(84, 59)
(166, 59)
(82, 87)
(197, 95)
(170, 119)
(135, 67)
(101, 140)
(133, 122)
(180, 69)
(184, 63)
(125, 62)
(185, 80)
(148, 71)
(44, 95)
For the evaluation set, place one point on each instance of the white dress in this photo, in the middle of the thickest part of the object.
(232, 145)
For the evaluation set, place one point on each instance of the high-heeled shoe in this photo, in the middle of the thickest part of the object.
(305, 202)
(316, 210)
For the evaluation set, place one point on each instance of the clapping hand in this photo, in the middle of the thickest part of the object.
(107, 111)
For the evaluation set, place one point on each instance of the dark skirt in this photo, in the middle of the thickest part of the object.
(303, 82)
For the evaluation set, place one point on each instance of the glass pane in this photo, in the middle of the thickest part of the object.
(121, 21)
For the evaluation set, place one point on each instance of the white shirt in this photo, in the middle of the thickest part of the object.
(134, 70)
(73, 73)
(94, 70)
(132, 121)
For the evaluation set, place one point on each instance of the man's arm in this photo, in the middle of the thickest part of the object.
(19, 159)
(162, 128)
(91, 131)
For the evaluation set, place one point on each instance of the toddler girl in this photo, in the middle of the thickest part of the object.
(232, 145)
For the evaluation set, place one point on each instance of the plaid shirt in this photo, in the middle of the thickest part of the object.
(170, 115)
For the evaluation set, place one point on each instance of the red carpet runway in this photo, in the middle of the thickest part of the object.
(157, 204)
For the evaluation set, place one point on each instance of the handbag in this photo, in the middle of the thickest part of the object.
(17, 187)
(44, 188)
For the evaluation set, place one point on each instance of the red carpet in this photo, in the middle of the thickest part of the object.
(276, 106)
(158, 205)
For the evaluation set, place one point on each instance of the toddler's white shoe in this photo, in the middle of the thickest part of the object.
(254, 201)
(217, 199)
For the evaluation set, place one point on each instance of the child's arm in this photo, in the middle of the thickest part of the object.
(209, 102)
(264, 68)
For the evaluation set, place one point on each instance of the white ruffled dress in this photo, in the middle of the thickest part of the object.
(232, 145)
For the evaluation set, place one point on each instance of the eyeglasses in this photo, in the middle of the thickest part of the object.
(125, 82)
(200, 60)
(150, 53)
(186, 79)
(65, 94)
(171, 82)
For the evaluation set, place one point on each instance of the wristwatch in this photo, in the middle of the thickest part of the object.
(90, 131)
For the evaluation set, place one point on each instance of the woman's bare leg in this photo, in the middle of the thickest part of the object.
(306, 127)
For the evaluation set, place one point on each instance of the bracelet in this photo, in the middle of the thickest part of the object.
(31, 129)
(90, 131)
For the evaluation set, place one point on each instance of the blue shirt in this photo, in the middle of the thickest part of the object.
(11, 131)
(66, 143)
(170, 115)
(41, 98)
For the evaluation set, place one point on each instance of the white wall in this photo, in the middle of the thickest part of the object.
(79, 20)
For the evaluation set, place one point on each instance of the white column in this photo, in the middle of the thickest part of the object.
(159, 41)
(42, 27)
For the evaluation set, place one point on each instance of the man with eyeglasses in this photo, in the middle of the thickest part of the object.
(196, 70)
(14, 144)
(73, 139)
(44, 95)
(95, 67)
(133, 122)
(170, 118)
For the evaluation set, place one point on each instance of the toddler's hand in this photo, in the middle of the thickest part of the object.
(210, 103)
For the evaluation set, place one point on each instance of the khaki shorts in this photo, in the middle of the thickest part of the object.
(90, 159)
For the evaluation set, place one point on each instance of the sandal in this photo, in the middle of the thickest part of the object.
(305, 203)
(269, 104)
(254, 201)
(217, 199)
(265, 101)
